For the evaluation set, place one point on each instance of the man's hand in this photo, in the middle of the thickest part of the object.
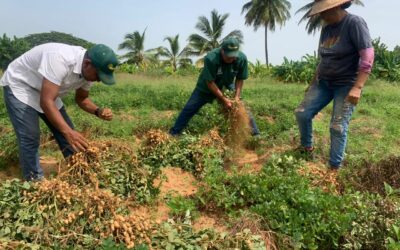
(106, 114)
(354, 95)
(227, 103)
(76, 140)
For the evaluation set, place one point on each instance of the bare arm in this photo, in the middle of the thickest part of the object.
(367, 57)
(217, 92)
(84, 102)
(361, 80)
(238, 89)
(48, 95)
(355, 93)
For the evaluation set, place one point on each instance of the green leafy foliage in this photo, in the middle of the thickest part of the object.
(259, 70)
(315, 22)
(300, 215)
(172, 56)
(134, 45)
(296, 71)
(312, 218)
(10, 208)
(393, 241)
(210, 36)
(181, 206)
(113, 167)
(190, 153)
(110, 244)
(387, 63)
(155, 69)
(57, 213)
(56, 37)
(11, 49)
(267, 14)
(182, 236)
(8, 147)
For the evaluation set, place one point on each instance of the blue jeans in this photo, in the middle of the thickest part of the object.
(194, 104)
(320, 94)
(25, 121)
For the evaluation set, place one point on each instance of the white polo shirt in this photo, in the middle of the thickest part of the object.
(58, 63)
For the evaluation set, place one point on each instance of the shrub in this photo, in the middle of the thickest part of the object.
(296, 71)
(387, 63)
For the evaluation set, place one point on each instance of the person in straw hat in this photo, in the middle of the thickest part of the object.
(346, 57)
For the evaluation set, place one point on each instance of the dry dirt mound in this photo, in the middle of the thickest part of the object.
(49, 165)
(10, 172)
(249, 162)
(372, 176)
(158, 212)
(176, 181)
(321, 176)
(209, 221)
(172, 181)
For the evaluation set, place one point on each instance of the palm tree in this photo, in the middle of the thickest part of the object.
(267, 13)
(211, 32)
(174, 57)
(134, 43)
(314, 23)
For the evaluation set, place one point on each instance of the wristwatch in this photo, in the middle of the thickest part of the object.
(97, 112)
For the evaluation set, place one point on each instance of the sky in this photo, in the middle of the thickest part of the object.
(107, 22)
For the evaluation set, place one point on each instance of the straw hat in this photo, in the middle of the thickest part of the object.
(322, 5)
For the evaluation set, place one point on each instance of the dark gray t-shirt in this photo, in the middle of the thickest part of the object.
(339, 50)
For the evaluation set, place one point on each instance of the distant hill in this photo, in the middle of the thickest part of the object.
(11, 48)
(56, 37)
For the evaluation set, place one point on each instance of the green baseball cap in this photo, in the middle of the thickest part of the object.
(231, 47)
(104, 60)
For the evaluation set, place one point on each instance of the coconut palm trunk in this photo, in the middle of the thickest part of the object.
(266, 46)
(267, 13)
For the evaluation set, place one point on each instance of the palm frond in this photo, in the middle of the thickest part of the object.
(210, 33)
(266, 13)
(314, 23)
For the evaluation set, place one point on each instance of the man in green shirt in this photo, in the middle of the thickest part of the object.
(223, 67)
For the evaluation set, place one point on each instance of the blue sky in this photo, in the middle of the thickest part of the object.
(106, 21)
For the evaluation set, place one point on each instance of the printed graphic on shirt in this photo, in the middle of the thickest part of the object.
(330, 42)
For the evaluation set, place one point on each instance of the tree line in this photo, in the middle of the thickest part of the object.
(258, 13)
(11, 48)
(209, 35)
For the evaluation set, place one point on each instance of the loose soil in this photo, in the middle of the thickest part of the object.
(321, 176)
(239, 130)
(175, 181)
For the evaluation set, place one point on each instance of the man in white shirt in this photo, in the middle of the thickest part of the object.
(33, 85)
